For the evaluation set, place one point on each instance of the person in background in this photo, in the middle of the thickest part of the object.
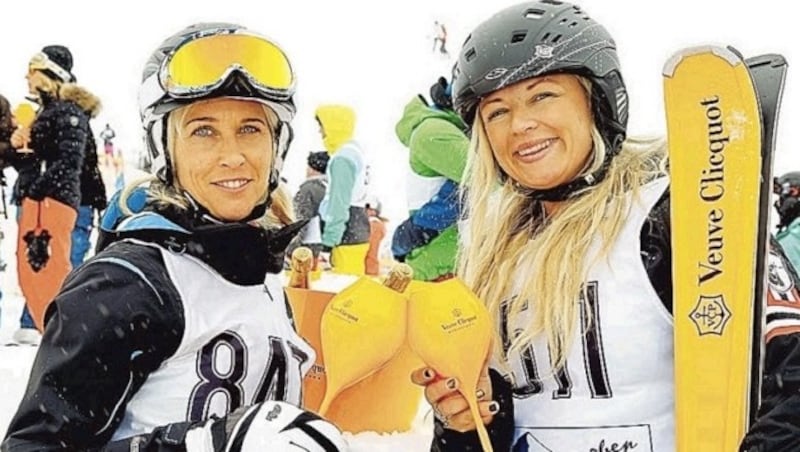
(107, 135)
(345, 227)
(7, 153)
(22, 162)
(93, 200)
(568, 236)
(177, 335)
(119, 169)
(787, 188)
(49, 190)
(377, 231)
(437, 142)
(440, 38)
(306, 204)
(7, 127)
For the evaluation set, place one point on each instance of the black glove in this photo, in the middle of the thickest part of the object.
(408, 237)
(38, 250)
(440, 94)
(35, 194)
(264, 426)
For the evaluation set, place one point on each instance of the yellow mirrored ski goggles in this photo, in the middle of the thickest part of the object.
(204, 63)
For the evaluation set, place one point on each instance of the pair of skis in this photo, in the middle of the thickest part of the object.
(722, 113)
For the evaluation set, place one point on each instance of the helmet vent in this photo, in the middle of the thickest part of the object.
(573, 24)
(556, 39)
(534, 13)
(546, 35)
(552, 2)
(518, 36)
(470, 55)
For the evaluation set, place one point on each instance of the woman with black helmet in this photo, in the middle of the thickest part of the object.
(569, 244)
(177, 335)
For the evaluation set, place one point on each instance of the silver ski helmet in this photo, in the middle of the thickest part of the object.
(536, 38)
(210, 60)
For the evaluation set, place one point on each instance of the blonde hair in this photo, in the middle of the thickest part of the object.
(48, 85)
(280, 212)
(513, 248)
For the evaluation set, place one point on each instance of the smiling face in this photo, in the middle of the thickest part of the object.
(540, 129)
(223, 151)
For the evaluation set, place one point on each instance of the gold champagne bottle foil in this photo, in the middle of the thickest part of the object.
(301, 264)
(399, 277)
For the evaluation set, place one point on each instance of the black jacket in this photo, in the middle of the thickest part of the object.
(306, 206)
(93, 190)
(110, 327)
(777, 424)
(59, 137)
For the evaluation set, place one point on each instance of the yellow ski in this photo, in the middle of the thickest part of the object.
(714, 134)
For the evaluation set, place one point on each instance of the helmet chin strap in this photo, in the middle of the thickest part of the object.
(574, 188)
(201, 214)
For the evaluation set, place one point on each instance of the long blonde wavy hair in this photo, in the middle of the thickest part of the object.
(514, 248)
(280, 213)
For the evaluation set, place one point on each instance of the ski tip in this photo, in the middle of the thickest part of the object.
(774, 60)
(727, 53)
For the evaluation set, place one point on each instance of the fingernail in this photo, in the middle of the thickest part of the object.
(494, 407)
(451, 383)
(479, 393)
(428, 374)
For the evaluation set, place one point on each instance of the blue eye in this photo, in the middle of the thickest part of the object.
(203, 131)
(249, 129)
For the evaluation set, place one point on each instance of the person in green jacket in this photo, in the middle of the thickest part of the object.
(787, 187)
(437, 142)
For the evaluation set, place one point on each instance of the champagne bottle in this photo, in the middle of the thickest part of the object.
(398, 278)
(300, 267)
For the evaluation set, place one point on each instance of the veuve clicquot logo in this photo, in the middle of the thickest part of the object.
(710, 315)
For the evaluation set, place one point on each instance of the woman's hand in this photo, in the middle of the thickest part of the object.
(449, 406)
(20, 137)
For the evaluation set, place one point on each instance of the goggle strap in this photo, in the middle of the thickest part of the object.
(47, 63)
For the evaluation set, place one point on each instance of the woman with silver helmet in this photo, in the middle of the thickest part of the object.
(568, 244)
(177, 334)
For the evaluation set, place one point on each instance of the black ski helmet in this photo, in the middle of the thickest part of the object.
(787, 187)
(535, 38)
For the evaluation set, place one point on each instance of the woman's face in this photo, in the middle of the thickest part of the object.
(35, 80)
(223, 155)
(539, 129)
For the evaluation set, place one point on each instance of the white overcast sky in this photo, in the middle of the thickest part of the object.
(376, 55)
